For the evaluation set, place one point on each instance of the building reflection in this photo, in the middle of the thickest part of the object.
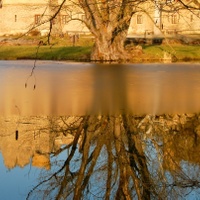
(107, 156)
(79, 89)
(34, 144)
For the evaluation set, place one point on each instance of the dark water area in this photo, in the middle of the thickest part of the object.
(99, 131)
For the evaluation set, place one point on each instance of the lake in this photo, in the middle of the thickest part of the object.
(97, 131)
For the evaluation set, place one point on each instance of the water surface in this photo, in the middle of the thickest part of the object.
(86, 130)
(80, 88)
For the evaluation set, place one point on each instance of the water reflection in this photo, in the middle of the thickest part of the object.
(99, 131)
(79, 89)
(106, 156)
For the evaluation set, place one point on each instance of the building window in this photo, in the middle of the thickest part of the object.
(83, 18)
(170, 1)
(191, 18)
(15, 18)
(65, 19)
(37, 19)
(139, 19)
(174, 19)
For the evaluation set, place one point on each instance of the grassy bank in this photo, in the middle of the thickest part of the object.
(178, 52)
(44, 53)
(151, 53)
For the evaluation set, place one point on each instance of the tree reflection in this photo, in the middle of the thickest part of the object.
(122, 157)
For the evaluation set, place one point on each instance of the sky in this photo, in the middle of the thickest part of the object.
(17, 182)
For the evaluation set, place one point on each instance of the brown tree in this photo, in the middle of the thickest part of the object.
(123, 157)
(108, 21)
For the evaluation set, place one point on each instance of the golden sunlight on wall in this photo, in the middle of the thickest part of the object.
(24, 1)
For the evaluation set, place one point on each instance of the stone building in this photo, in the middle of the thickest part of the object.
(21, 16)
(167, 19)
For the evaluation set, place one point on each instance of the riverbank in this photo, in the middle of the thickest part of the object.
(80, 51)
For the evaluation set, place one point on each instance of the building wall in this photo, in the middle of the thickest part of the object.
(141, 24)
(16, 18)
(182, 22)
(19, 16)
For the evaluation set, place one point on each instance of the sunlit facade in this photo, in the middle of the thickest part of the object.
(22, 16)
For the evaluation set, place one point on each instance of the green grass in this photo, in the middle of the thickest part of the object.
(82, 52)
(44, 52)
(181, 52)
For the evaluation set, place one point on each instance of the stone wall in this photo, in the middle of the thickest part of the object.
(20, 16)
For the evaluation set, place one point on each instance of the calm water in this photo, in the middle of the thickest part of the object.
(77, 89)
(85, 130)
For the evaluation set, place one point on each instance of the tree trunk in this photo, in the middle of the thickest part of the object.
(109, 48)
(109, 24)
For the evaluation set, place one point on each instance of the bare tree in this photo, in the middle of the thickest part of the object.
(121, 157)
(109, 21)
